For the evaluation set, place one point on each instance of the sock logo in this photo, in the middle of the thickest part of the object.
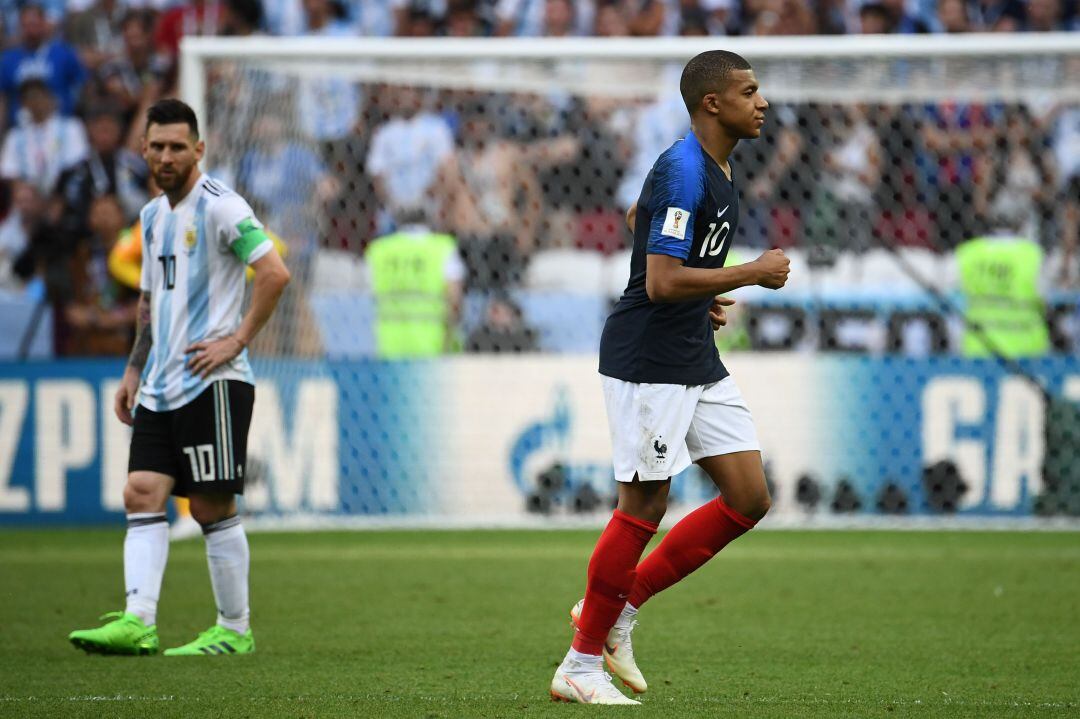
(132, 592)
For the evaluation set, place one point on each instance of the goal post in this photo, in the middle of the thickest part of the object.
(529, 151)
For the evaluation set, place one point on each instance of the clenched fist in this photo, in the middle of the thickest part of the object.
(773, 268)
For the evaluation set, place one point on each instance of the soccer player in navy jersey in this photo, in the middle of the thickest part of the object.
(670, 401)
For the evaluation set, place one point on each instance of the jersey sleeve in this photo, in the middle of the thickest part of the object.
(237, 230)
(676, 192)
(145, 279)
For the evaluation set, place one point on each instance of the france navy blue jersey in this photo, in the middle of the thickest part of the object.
(687, 209)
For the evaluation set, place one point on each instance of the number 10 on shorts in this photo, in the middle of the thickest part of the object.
(202, 462)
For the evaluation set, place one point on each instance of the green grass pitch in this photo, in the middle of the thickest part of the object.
(472, 624)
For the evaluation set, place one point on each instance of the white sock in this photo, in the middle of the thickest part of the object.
(146, 550)
(228, 556)
(592, 662)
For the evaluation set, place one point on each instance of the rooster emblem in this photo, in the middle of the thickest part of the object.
(661, 449)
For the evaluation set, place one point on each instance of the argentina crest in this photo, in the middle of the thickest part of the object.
(191, 238)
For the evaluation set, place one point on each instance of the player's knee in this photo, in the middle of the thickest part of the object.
(143, 496)
(205, 510)
(758, 507)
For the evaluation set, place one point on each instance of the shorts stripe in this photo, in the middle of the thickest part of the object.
(219, 422)
(228, 434)
(217, 433)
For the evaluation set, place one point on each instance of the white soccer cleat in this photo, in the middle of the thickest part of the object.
(618, 650)
(579, 682)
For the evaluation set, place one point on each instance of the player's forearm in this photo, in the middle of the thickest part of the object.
(681, 284)
(143, 336)
(266, 291)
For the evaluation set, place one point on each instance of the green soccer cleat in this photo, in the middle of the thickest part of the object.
(125, 634)
(216, 640)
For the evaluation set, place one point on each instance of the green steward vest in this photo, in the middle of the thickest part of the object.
(407, 273)
(999, 279)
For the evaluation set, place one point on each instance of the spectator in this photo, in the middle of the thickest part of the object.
(905, 21)
(652, 18)
(242, 18)
(419, 20)
(379, 18)
(285, 182)
(25, 215)
(996, 15)
(783, 17)
(954, 136)
(95, 31)
(874, 19)
(39, 56)
(1066, 152)
(54, 13)
(503, 329)
(1016, 174)
(408, 154)
(580, 185)
(135, 79)
(1045, 16)
(43, 144)
(195, 17)
(12, 237)
(464, 18)
(843, 212)
(544, 18)
(109, 169)
(613, 19)
(776, 170)
(493, 200)
(328, 108)
(101, 314)
(952, 16)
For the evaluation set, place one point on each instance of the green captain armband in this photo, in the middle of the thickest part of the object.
(251, 236)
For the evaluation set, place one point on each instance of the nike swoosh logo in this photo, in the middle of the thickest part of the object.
(585, 699)
(611, 649)
(720, 213)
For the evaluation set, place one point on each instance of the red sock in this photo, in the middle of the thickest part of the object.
(689, 544)
(611, 576)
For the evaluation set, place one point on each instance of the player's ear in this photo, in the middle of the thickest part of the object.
(710, 103)
(200, 148)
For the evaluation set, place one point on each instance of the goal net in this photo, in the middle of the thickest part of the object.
(453, 379)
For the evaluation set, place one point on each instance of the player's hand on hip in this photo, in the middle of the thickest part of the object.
(125, 396)
(208, 355)
(716, 312)
(773, 266)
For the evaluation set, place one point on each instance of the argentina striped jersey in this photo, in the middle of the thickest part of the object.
(194, 257)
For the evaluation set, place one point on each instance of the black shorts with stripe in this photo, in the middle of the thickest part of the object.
(202, 445)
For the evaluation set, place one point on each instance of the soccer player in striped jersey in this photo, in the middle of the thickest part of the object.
(190, 428)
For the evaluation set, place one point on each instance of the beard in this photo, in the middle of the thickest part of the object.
(173, 181)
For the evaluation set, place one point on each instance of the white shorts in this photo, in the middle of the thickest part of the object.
(657, 430)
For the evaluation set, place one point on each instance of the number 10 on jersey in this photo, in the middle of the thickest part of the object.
(713, 244)
(168, 270)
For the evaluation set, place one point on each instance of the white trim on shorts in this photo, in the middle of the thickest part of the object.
(658, 430)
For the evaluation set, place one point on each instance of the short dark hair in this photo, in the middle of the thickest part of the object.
(32, 83)
(250, 11)
(171, 111)
(707, 73)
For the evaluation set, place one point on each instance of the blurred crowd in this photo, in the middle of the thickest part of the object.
(337, 163)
